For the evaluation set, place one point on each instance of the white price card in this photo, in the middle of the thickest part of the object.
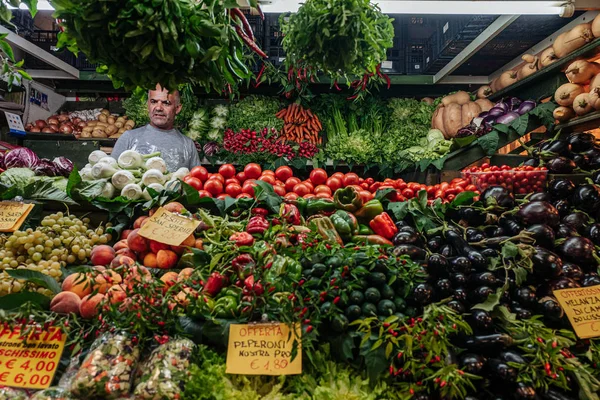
(15, 123)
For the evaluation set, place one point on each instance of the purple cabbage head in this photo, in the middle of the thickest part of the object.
(21, 157)
(211, 148)
(45, 167)
(63, 166)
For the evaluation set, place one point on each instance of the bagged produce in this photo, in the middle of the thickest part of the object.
(166, 371)
(108, 368)
(7, 393)
(52, 393)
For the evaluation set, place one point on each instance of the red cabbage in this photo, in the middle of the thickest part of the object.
(45, 167)
(21, 157)
(63, 166)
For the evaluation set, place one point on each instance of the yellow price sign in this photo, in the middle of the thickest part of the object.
(30, 364)
(582, 306)
(13, 214)
(263, 349)
(167, 227)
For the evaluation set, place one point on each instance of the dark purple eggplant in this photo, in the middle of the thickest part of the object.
(565, 231)
(561, 165)
(525, 392)
(472, 216)
(489, 253)
(487, 344)
(554, 394)
(415, 253)
(460, 294)
(480, 294)
(543, 235)
(483, 278)
(540, 196)
(437, 265)
(572, 271)
(513, 357)
(525, 296)
(590, 279)
(562, 206)
(523, 313)
(458, 279)
(586, 198)
(497, 196)
(423, 294)
(526, 106)
(496, 112)
(577, 220)
(481, 320)
(443, 288)
(593, 163)
(472, 363)
(447, 251)
(582, 161)
(560, 188)
(434, 244)
(457, 306)
(563, 283)
(509, 225)
(554, 148)
(500, 370)
(464, 249)
(532, 162)
(578, 249)
(404, 237)
(546, 264)
(514, 103)
(550, 308)
(538, 212)
(581, 141)
(592, 232)
(596, 177)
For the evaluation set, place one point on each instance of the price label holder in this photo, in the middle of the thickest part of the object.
(13, 214)
(582, 306)
(30, 364)
(168, 228)
(264, 349)
(15, 124)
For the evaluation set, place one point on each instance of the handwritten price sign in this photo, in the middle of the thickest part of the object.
(582, 306)
(31, 364)
(169, 228)
(263, 349)
(12, 215)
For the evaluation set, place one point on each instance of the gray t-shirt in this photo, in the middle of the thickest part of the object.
(176, 149)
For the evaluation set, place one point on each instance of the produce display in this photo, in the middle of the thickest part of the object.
(581, 95)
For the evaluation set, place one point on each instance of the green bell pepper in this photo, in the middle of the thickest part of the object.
(186, 261)
(226, 307)
(369, 210)
(301, 203)
(365, 230)
(316, 206)
(348, 199)
(324, 227)
(345, 224)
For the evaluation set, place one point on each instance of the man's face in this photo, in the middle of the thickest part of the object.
(163, 107)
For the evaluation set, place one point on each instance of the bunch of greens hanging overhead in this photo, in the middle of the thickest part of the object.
(342, 38)
(144, 42)
(12, 73)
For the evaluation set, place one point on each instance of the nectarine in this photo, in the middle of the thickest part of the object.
(137, 242)
(77, 283)
(116, 294)
(105, 280)
(65, 303)
(155, 246)
(139, 222)
(150, 260)
(169, 278)
(166, 259)
(174, 207)
(102, 255)
(90, 304)
(185, 273)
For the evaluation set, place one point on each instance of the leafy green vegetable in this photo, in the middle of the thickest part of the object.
(255, 113)
(17, 177)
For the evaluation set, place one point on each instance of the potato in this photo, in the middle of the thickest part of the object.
(99, 134)
(115, 136)
(111, 120)
(111, 130)
(119, 124)
(91, 124)
(121, 119)
(101, 124)
(122, 130)
(104, 111)
(130, 124)
(102, 118)
(87, 129)
(85, 134)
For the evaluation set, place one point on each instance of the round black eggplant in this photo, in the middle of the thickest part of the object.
(596, 177)
(489, 253)
(501, 370)
(415, 253)
(523, 313)
(593, 233)
(572, 271)
(472, 363)
(581, 160)
(546, 264)
(581, 141)
(497, 196)
(577, 219)
(509, 225)
(471, 216)
(481, 320)
(447, 251)
(578, 249)
(538, 212)
(460, 294)
(457, 306)
(562, 206)
(532, 162)
(483, 278)
(563, 283)
(550, 308)
(586, 198)
(437, 265)
(434, 244)
(404, 237)
(543, 235)
(565, 231)
(525, 392)
(423, 293)
(525, 296)
(443, 288)
(540, 196)
(480, 294)
(512, 356)
(590, 279)
(561, 165)
(460, 264)
(407, 228)
(458, 279)
(557, 147)
(560, 188)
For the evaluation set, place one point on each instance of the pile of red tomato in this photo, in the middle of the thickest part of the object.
(521, 180)
(227, 182)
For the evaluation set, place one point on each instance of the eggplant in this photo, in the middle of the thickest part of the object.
(560, 188)
(489, 253)
(563, 283)
(458, 279)
(510, 226)
(596, 177)
(480, 294)
(586, 198)
(532, 162)
(472, 363)
(481, 320)
(525, 296)
(497, 196)
(592, 232)
(523, 313)
(550, 308)
(513, 357)
(405, 237)
(415, 253)
(464, 249)
(460, 264)
(435, 243)
(546, 264)
(460, 294)
(457, 306)
(554, 148)
(538, 212)
(407, 228)
(500, 370)
(581, 141)
(526, 106)
(525, 391)
(514, 103)
(562, 206)
(553, 394)
(582, 161)
(565, 231)
(578, 249)
(561, 165)
(507, 118)
(437, 265)
(590, 279)
(472, 216)
(576, 220)
(487, 344)
(540, 196)
(483, 278)
(443, 288)
(542, 234)
(593, 163)
(572, 271)
(423, 294)
(497, 112)
(447, 251)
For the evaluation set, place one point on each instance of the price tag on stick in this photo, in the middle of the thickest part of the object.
(582, 306)
(168, 228)
(30, 364)
(263, 349)
(13, 214)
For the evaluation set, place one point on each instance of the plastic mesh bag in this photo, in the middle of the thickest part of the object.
(52, 393)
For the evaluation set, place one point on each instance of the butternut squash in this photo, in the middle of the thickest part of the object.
(469, 111)
(437, 121)
(582, 104)
(494, 85)
(506, 79)
(460, 98)
(595, 82)
(452, 119)
(485, 104)
(596, 26)
(548, 57)
(529, 68)
(594, 98)
(563, 114)
(570, 41)
(566, 94)
(581, 71)
(484, 92)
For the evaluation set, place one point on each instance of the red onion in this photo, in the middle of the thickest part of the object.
(35, 129)
(66, 129)
(48, 130)
(40, 123)
(28, 127)
(53, 121)
(63, 118)
(54, 127)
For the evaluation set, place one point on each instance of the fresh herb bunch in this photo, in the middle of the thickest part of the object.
(338, 37)
(255, 113)
(145, 42)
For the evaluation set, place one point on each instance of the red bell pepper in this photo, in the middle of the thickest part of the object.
(257, 224)
(242, 239)
(384, 226)
(291, 213)
(214, 284)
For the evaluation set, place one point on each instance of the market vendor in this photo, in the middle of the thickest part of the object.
(160, 135)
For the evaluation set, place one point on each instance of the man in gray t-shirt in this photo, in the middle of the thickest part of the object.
(176, 149)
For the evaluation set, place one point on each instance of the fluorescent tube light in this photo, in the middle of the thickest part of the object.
(42, 5)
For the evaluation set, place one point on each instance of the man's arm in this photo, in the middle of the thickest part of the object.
(195, 159)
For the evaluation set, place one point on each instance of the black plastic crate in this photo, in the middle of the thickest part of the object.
(23, 21)
(454, 33)
(433, 62)
(83, 64)
(257, 24)
(273, 39)
(414, 57)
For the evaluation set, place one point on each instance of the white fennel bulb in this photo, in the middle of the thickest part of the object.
(153, 176)
(96, 156)
(108, 191)
(180, 174)
(157, 187)
(132, 191)
(108, 160)
(122, 178)
(102, 170)
(156, 163)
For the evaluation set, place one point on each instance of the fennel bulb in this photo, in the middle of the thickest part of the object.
(122, 178)
(108, 191)
(157, 187)
(156, 163)
(95, 156)
(103, 170)
(86, 174)
(131, 159)
(132, 191)
(180, 174)
(108, 160)
(153, 176)
(173, 185)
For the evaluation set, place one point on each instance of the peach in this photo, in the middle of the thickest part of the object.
(155, 246)
(185, 273)
(183, 297)
(190, 241)
(121, 244)
(150, 260)
(127, 253)
(102, 255)
(152, 211)
(99, 268)
(116, 294)
(137, 242)
(125, 233)
(166, 259)
(199, 244)
(179, 250)
(137, 274)
(106, 279)
(122, 260)
(65, 303)
(174, 207)
(139, 222)
(77, 283)
(90, 305)
(169, 278)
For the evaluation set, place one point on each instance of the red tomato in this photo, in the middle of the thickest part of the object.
(309, 185)
(350, 179)
(233, 189)
(267, 178)
(231, 180)
(334, 183)
(309, 196)
(471, 188)
(290, 196)
(364, 185)
(408, 193)
(338, 175)
(370, 181)
(323, 189)
(414, 186)
(284, 173)
(246, 195)
(249, 187)
(223, 196)
(290, 183)
(214, 187)
(268, 172)
(280, 190)
(218, 177)
(240, 176)
(193, 182)
(401, 185)
(204, 193)
(318, 176)
(199, 172)
(366, 195)
(301, 189)
(252, 171)
(227, 170)
(323, 195)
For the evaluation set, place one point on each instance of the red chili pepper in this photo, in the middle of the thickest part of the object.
(249, 42)
(335, 85)
(387, 79)
(309, 329)
(236, 13)
(260, 12)
(336, 300)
